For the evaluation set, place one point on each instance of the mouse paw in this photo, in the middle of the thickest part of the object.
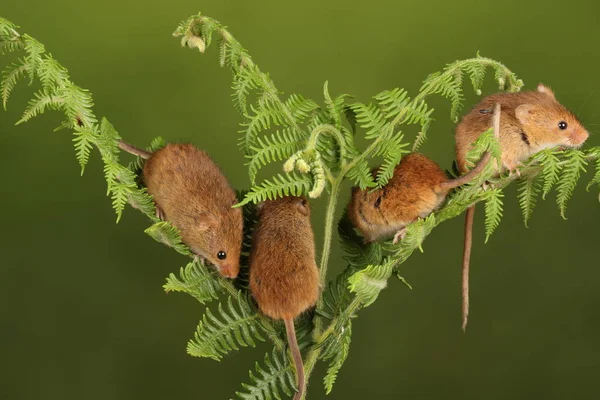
(199, 259)
(401, 234)
(159, 214)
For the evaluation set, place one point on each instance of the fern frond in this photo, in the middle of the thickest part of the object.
(78, 105)
(551, 169)
(414, 238)
(264, 115)
(493, 212)
(596, 179)
(278, 147)
(477, 75)
(368, 282)
(300, 107)
(392, 150)
(371, 118)
(84, 139)
(289, 184)
(574, 166)
(196, 280)
(528, 191)
(355, 252)
(337, 358)
(52, 73)
(237, 327)
(41, 100)
(33, 59)
(270, 380)
(10, 77)
(141, 200)
(360, 174)
(448, 84)
(166, 233)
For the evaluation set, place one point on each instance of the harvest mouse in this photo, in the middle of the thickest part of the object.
(417, 187)
(531, 121)
(191, 192)
(284, 279)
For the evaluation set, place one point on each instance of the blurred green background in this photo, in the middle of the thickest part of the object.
(82, 311)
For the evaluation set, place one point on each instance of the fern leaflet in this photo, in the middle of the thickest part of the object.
(237, 327)
(493, 212)
(196, 280)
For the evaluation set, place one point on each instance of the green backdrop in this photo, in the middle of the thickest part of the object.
(82, 311)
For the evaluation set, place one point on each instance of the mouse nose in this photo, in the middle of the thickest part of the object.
(229, 270)
(579, 136)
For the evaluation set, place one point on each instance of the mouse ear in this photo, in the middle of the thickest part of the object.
(546, 90)
(524, 113)
(204, 220)
(303, 206)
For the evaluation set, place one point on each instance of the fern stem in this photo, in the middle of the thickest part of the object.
(246, 62)
(326, 128)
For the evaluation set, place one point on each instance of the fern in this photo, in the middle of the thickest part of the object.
(337, 356)
(368, 282)
(529, 190)
(575, 165)
(238, 327)
(167, 234)
(278, 147)
(493, 212)
(270, 381)
(10, 77)
(280, 186)
(196, 280)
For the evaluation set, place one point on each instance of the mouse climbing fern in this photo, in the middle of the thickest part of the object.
(314, 142)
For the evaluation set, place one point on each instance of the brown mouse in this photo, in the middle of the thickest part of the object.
(192, 193)
(417, 187)
(284, 278)
(531, 121)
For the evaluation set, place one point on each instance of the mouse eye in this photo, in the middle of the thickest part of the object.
(221, 255)
(562, 125)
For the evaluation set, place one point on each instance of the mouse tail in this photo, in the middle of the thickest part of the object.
(469, 218)
(293, 343)
(134, 150)
(483, 162)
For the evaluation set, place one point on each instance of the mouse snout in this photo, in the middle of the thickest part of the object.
(578, 136)
(229, 270)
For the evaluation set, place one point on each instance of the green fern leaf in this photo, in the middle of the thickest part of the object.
(595, 152)
(270, 381)
(141, 200)
(300, 107)
(52, 74)
(367, 283)
(355, 252)
(551, 169)
(477, 74)
(237, 327)
(167, 234)
(33, 59)
(278, 147)
(575, 165)
(84, 138)
(39, 103)
(120, 193)
(392, 150)
(493, 212)
(343, 339)
(10, 77)
(371, 118)
(360, 174)
(414, 238)
(529, 189)
(280, 185)
(78, 105)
